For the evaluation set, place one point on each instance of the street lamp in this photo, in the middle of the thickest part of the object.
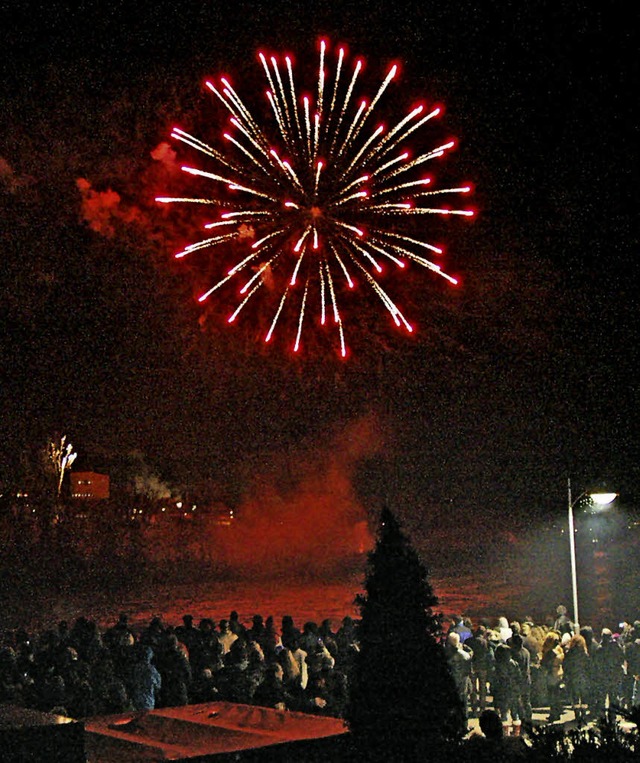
(601, 498)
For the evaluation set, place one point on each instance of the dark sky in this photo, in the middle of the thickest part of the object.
(524, 375)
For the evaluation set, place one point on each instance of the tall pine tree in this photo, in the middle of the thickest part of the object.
(403, 701)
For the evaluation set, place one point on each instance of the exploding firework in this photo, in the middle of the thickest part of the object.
(330, 204)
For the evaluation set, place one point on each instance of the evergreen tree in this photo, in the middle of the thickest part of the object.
(403, 702)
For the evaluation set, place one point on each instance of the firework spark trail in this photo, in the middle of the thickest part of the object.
(334, 96)
(277, 315)
(323, 313)
(292, 93)
(296, 346)
(345, 105)
(327, 194)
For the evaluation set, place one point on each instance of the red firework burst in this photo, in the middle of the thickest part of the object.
(326, 204)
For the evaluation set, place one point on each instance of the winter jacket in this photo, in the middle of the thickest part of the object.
(146, 682)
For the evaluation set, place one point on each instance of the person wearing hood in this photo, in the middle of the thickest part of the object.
(504, 629)
(146, 681)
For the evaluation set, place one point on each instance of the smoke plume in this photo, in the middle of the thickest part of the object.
(309, 517)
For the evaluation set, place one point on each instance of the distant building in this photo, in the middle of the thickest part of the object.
(89, 486)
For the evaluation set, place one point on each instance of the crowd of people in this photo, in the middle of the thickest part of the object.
(505, 668)
(524, 665)
(82, 671)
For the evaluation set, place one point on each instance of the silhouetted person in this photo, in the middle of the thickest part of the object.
(520, 654)
(328, 637)
(608, 660)
(563, 622)
(175, 670)
(235, 625)
(270, 691)
(118, 634)
(481, 668)
(226, 637)
(289, 633)
(577, 676)
(491, 744)
(506, 688)
(632, 657)
(459, 660)
(188, 634)
(269, 640)
(257, 629)
(208, 651)
(551, 665)
(458, 626)
(147, 681)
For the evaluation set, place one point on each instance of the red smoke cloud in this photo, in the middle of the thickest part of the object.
(317, 522)
(10, 181)
(103, 210)
(99, 209)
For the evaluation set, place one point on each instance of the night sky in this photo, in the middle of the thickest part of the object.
(522, 376)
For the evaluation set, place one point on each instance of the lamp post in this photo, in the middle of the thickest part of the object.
(601, 498)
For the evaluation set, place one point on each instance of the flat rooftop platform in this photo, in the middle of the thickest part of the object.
(212, 731)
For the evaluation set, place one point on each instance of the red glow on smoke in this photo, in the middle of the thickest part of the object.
(304, 513)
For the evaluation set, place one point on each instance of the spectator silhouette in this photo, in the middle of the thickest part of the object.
(491, 744)
(147, 681)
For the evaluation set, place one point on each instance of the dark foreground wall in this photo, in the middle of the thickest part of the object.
(29, 736)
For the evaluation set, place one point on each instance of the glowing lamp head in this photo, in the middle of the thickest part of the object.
(601, 498)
